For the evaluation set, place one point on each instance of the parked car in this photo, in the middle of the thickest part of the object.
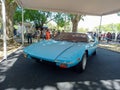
(65, 50)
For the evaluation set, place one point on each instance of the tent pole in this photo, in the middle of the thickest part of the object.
(99, 30)
(22, 27)
(4, 29)
(100, 25)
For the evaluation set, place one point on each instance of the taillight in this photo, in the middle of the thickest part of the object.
(63, 66)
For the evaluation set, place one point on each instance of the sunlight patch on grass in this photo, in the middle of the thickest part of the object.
(112, 47)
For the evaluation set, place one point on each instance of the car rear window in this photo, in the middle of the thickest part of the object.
(72, 37)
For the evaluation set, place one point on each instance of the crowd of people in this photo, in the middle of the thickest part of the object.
(46, 33)
(109, 37)
(37, 32)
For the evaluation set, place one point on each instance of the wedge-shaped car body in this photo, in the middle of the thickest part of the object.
(65, 50)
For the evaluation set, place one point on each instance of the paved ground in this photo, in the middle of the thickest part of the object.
(102, 73)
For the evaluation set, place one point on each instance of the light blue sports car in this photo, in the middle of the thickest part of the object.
(65, 50)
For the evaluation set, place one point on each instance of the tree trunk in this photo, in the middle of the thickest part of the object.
(75, 26)
(10, 9)
(75, 19)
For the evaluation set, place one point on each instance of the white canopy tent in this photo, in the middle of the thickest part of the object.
(83, 7)
(87, 7)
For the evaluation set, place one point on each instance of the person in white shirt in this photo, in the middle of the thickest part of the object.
(99, 36)
(19, 31)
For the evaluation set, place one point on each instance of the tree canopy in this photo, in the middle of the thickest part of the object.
(41, 17)
(38, 17)
(62, 19)
(110, 27)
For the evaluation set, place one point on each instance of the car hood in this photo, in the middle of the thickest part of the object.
(50, 50)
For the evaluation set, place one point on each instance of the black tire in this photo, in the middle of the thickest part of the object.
(37, 60)
(94, 52)
(81, 66)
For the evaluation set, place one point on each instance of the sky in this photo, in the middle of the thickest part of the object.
(91, 21)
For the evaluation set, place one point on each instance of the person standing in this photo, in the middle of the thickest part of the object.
(43, 33)
(15, 27)
(99, 36)
(29, 35)
(38, 33)
(47, 34)
(108, 37)
(118, 37)
(19, 31)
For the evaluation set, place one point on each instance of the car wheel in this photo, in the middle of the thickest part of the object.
(94, 52)
(82, 65)
(37, 60)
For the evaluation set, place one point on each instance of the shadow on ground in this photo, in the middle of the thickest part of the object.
(102, 73)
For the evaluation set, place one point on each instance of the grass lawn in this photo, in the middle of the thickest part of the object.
(113, 47)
